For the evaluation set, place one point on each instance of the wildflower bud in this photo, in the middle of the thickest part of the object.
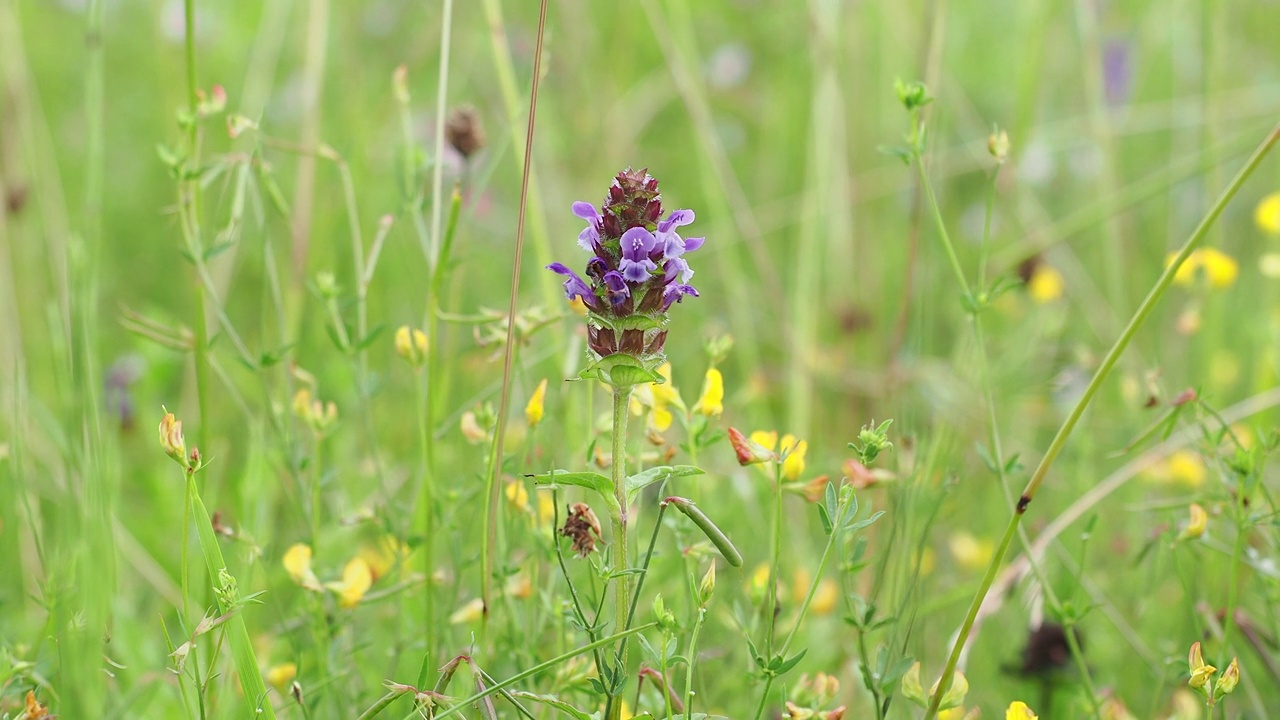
(464, 131)
(795, 712)
(708, 585)
(295, 691)
(872, 440)
(468, 613)
(955, 694)
(237, 124)
(1230, 677)
(1200, 672)
(534, 410)
(711, 404)
(471, 429)
(913, 95)
(327, 285)
(400, 84)
(194, 460)
(1196, 525)
(837, 714)
(911, 687)
(813, 490)
(171, 439)
(665, 617)
(749, 452)
(998, 145)
(411, 344)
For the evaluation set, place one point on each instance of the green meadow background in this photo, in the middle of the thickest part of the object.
(1126, 120)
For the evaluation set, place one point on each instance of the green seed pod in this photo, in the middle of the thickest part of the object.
(708, 528)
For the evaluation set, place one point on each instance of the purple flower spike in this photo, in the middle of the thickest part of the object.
(675, 292)
(588, 238)
(575, 286)
(617, 287)
(635, 265)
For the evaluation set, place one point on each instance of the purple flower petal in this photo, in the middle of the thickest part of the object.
(588, 238)
(675, 292)
(618, 289)
(677, 266)
(586, 211)
(691, 244)
(676, 219)
(635, 264)
(574, 286)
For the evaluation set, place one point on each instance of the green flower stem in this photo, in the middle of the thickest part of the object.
(536, 669)
(426, 498)
(1064, 432)
(621, 403)
(691, 659)
(773, 580)
(246, 662)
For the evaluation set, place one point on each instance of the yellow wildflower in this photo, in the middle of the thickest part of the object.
(471, 612)
(971, 553)
(928, 559)
(1046, 284)
(297, 561)
(383, 554)
(546, 508)
(767, 440)
(577, 306)
(279, 676)
(793, 463)
(1267, 214)
(1200, 671)
(517, 495)
(534, 410)
(34, 709)
(1186, 466)
(825, 600)
(519, 586)
(411, 344)
(711, 403)
(356, 580)
(1220, 269)
(1197, 524)
(1018, 710)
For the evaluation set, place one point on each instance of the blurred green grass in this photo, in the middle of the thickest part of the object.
(767, 119)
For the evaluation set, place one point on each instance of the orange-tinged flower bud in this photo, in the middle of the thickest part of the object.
(171, 440)
(1230, 678)
(749, 451)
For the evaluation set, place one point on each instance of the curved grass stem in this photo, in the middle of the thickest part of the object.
(1104, 370)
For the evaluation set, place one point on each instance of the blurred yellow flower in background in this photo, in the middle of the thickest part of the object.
(356, 580)
(1267, 214)
(382, 554)
(471, 612)
(297, 561)
(793, 463)
(517, 495)
(1046, 284)
(969, 552)
(1219, 268)
(279, 676)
